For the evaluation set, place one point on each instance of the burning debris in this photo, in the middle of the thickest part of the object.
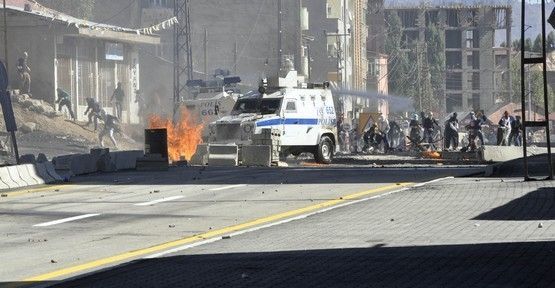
(183, 136)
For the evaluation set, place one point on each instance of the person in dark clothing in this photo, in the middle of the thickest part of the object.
(429, 124)
(516, 132)
(95, 112)
(452, 132)
(24, 74)
(64, 100)
(481, 120)
(111, 125)
(118, 96)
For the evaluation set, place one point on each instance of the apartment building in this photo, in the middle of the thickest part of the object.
(476, 72)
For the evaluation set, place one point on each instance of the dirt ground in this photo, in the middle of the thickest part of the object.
(59, 136)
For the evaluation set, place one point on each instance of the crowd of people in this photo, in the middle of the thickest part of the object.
(423, 132)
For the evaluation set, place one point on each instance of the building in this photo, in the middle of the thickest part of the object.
(476, 68)
(86, 59)
(377, 79)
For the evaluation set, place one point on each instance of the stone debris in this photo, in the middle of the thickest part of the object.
(540, 225)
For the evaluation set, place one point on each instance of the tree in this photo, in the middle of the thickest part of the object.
(550, 41)
(78, 8)
(435, 42)
(535, 78)
(398, 64)
(538, 44)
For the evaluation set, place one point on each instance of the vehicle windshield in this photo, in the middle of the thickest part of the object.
(257, 105)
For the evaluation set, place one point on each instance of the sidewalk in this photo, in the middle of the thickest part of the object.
(467, 232)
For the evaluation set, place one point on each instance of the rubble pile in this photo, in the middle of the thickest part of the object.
(34, 105)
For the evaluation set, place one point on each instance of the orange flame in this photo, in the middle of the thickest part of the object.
(183, 136)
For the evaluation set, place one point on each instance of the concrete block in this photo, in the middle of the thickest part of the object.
(27, 159)
(152, 162)
(62, 162)
(223, 149)
(507, 153)
(6, 181)
(257, 155)
(126, 160)
(14, 174)
(200, 158)
(228, 160)
(51, 171)
(82, 164)
(42, 171)
(23, 171)
(41, 158)
(33, 173)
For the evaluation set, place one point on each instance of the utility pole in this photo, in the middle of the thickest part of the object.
(205, 47)
(345, 34)
(280, 32)
(183, 54)
(6, 39)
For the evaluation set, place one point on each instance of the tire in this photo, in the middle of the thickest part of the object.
(324, 151)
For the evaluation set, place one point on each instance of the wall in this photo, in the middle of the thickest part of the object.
(34, 36)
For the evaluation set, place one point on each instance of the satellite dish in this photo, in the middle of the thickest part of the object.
(3, 77)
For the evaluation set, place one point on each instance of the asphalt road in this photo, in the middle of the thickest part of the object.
(54, 233)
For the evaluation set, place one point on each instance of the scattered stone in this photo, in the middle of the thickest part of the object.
(391, 219)
(226, 237)
(28, 127)
(53, 261)
(540, 225)
(57, 190)
(156, 191)
(4, 195)
(172, 226)
(476, 224)
(209, 228)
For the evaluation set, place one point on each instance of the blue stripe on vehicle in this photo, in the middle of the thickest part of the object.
(287, 121)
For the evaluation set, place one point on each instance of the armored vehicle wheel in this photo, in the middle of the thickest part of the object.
(324, 151)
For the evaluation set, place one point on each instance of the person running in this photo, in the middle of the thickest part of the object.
(64, 100)
(95, 112)
(111, 125)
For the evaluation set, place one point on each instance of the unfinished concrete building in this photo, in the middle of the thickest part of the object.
(477, 68)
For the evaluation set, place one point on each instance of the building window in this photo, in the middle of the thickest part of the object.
(291, 107)
(469, 39)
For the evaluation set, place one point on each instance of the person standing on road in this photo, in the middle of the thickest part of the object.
(516, 132)
(24, 74)
(504, 130)
(384, 127)
(111, 125)
(429, 124)
(64, 100)
(95, 112)
(119, 97)
(452, 132)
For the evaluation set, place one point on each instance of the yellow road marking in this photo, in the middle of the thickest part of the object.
(37, 190)
(219, 232)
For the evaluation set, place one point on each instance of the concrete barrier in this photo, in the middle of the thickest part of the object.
(33, 173)
(14, 174)
(508, 153)
(257, 155)
(201, 156)
(43, 173)
(126, 160)
(6, 181)
(223, 155)
(23, 171)
(51, 172)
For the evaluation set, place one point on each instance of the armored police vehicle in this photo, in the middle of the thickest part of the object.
(304, 115)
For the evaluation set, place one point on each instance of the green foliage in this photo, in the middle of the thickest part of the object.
(534, 80)
(399, 62)
(538, 43)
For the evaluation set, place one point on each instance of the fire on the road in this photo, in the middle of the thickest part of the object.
(183, 136)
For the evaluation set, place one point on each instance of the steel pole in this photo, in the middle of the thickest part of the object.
(6, 39)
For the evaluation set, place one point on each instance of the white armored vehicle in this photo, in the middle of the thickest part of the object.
(304, 115)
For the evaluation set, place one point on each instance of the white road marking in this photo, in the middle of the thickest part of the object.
(228, 187)
(303, 216)
(65, 220)
(159, 201)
